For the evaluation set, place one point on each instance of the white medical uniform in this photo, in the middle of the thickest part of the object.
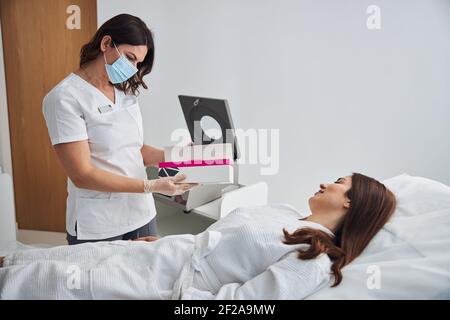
(75, 110)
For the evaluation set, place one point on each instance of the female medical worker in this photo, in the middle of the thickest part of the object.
(95, 126)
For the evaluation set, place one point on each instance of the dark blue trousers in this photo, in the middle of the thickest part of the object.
(150, 229)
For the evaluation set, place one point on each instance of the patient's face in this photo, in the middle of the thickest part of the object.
(332, 196)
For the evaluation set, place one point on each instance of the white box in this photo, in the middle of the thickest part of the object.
(207, 174)
(213, 151)
(204, 164)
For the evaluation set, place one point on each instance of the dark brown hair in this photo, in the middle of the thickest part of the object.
(371, 206)
(123, 29)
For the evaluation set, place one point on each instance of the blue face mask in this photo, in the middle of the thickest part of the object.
(121, 70)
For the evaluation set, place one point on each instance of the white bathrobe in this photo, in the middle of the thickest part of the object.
(241, 256)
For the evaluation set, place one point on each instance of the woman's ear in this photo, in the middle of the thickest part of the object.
(106, 42)
(347, 204)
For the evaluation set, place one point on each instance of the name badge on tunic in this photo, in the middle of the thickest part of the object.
(104, 109)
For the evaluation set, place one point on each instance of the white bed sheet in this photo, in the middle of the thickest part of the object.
(13, 246)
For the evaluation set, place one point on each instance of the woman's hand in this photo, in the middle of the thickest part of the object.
(171, 186)
(148, 239)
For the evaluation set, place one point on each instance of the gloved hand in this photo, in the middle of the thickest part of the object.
(169, 186)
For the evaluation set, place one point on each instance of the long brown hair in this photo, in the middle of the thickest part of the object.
(371, 206)
(128, 29)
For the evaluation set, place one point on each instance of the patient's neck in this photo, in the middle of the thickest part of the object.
(327, 220)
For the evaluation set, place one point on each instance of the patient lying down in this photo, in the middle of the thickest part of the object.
(261, 252)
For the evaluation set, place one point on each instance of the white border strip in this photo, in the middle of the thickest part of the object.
(5, 142)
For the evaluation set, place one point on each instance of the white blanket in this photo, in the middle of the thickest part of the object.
(240, 257)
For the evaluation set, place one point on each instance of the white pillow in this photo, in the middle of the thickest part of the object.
(411, 254)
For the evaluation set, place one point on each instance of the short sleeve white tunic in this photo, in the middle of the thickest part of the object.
(75, 110)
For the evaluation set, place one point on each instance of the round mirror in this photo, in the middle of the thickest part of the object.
(211, 127)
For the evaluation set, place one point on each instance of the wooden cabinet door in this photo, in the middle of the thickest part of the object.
(41, 43)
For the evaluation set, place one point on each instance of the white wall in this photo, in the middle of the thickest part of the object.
(5, 147)
(345, 98)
